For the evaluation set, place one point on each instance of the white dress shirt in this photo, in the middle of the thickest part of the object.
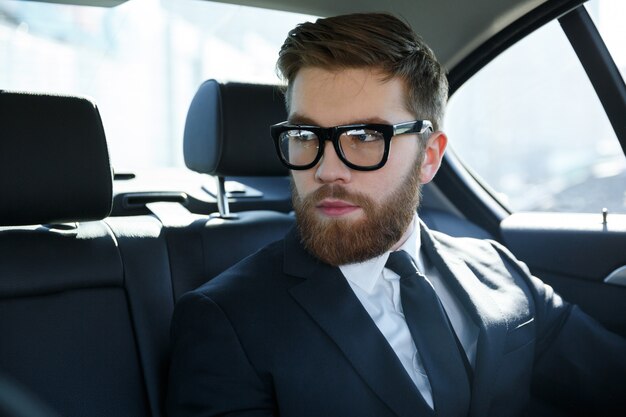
(378, 289)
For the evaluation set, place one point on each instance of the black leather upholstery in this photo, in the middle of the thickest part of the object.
(148, 285)
(84, 314)
(47, 260)
(54, 163)
(66, 331)
(227, 130)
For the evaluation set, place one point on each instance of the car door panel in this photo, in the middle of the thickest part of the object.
(575, 253)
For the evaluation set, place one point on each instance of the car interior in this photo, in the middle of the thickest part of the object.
(92, 261)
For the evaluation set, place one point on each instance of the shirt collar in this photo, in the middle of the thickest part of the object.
(366, 274)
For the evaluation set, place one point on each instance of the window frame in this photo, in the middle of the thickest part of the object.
(599, 65)
(478, 201)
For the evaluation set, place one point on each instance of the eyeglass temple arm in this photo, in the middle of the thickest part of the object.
(410, 127)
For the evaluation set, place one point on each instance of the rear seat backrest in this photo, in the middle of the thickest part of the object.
(226, 134)
(69, 305)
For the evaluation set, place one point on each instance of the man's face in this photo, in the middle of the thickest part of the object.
(345, 215)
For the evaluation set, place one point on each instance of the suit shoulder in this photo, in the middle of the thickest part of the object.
(486, 257)
(470, 248)
(252, 273)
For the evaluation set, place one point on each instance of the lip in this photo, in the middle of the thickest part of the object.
(336, 208)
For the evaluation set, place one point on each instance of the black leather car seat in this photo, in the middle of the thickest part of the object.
(72, 311)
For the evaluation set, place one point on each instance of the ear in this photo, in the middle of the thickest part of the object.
(435, 148)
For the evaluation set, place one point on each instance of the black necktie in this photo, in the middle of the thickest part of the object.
(434, 337)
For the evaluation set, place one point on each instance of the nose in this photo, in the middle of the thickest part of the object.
(331, 169)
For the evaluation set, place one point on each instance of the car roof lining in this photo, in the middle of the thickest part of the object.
(474, 22)
(479, 57)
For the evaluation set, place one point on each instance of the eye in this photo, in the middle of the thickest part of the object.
(364, 135)
(300, 135)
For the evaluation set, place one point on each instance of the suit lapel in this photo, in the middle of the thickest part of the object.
(484, 311)
(328, 299)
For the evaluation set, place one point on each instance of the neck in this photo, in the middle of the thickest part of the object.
(405, 236)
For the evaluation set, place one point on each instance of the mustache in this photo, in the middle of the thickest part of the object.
(338, 192)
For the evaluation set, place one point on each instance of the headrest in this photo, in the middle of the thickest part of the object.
(227, 132)
(54, 163)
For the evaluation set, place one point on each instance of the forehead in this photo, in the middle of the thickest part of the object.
(344, 96)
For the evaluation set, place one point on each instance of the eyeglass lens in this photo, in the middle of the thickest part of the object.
(360, 147)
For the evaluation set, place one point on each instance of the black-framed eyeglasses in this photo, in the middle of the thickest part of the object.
(364, 147)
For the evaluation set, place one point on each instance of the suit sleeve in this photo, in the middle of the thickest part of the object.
(580, 367)
(210, 373)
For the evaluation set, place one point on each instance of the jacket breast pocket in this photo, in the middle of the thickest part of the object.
(520, 336)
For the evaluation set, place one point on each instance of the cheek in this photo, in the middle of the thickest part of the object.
(404, 150)
(303, 181)
(376, 185)
(392, 177)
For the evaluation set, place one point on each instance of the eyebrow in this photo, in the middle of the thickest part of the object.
(300, 119)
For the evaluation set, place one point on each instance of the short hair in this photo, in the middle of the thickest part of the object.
(374, 40)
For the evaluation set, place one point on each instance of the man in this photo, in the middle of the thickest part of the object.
(361, 310)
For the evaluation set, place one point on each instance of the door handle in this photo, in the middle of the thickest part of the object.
(617, 277)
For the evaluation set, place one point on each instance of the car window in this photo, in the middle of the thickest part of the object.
(141, 62)
(532, 128)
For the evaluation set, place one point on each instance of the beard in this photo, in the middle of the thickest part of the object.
(343, 241)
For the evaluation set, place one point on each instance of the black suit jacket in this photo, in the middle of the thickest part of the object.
(282, 333)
